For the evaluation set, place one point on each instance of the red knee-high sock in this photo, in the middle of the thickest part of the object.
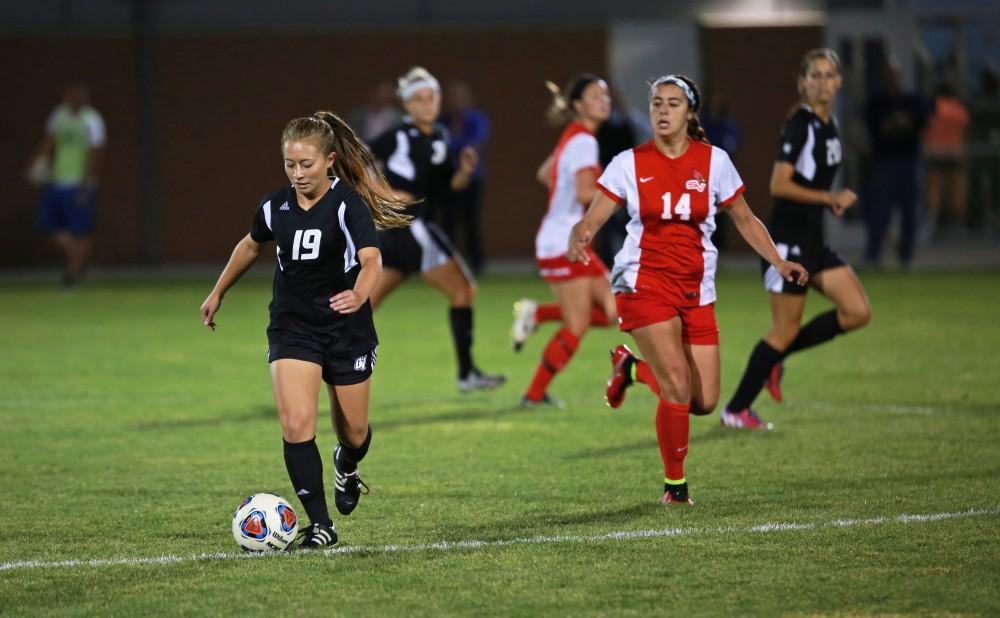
(549, 312)
(672, 426)
(598, 317)
(645, 375)
(557, 353)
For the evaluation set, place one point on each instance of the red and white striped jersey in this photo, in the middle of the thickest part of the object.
(672, 205)
(575, 152)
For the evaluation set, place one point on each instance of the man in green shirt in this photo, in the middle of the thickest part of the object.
(69, 158)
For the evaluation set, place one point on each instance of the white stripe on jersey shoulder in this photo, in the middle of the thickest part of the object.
(349, 251)
(806, 163)
(335, 181)
(267, 214)
(399, 161)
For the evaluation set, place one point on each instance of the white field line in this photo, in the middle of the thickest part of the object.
(623, 535)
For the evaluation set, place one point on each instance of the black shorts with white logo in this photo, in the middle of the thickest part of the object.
(339, 369)
(417, 248)
(815, 257)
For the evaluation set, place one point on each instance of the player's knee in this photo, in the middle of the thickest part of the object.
(676, 384)
(355, 434)
(704, 405)
(576, 324)
(463, 295)
(297, 424)
(856, 317)
(782, 335)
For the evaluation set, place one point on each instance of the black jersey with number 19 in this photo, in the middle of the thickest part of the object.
(813, 147)
(317, 258)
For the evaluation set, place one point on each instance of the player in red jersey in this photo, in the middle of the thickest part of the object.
(582, 291)
(664, 275)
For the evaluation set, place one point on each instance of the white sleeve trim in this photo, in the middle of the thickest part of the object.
(349, 251)
(399, 161)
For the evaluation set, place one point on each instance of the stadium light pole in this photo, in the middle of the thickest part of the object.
(144, 47)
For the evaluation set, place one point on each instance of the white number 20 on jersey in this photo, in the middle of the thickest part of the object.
(308, 240)
(682, 208)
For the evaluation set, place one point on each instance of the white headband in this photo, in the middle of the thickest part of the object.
(680, 83)
(405, 92)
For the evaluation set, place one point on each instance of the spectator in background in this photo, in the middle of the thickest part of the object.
(624, 129)
(895, 121)
(723, 131)
(462, 211)
(68, 160)
(721, 127)
(378, 114)
(944, 145)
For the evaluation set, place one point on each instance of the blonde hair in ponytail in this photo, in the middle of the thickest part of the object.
(561, 110)
(354, 163)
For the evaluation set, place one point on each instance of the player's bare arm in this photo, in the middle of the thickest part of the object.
(244, 255)
(757, 236)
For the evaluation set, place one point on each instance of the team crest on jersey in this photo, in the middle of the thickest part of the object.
(697, 183)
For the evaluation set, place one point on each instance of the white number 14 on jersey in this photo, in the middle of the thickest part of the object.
(682, 208)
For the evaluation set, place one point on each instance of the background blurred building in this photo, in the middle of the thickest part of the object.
(195, 93)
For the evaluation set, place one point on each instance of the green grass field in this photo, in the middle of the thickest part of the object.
(131, 433)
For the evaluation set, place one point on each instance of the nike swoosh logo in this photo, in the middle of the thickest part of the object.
(646, 179)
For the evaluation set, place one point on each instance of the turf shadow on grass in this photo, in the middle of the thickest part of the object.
(611, 450)
(554, 522)
(254, 413)
(473, 414)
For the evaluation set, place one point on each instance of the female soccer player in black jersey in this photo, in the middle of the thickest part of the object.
(414, 156)
(809, 154)
(321, 321)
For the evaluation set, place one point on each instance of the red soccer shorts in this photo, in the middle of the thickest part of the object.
(698, 325)
(559, 268)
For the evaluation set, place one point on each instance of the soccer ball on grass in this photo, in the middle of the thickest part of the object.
(264, 523)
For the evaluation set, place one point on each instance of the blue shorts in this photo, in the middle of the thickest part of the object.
(61, 209)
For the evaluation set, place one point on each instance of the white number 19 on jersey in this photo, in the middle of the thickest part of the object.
(308, 240)
(682, 208)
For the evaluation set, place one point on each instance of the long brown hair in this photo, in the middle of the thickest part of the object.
(354, 163)
(694, 129)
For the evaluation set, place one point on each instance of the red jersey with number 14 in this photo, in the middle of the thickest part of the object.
(672, 205)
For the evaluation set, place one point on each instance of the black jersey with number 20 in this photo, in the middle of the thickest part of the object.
(813, 148)
(317, 258)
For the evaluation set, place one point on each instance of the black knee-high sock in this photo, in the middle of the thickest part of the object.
(348, 457)
(461, 334)
(820, 329)
(305, 469)
(762, 359)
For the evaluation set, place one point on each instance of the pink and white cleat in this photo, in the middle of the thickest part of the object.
(744, 419)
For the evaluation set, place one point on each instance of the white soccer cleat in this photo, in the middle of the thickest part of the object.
(524, 322)
(479, 381)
